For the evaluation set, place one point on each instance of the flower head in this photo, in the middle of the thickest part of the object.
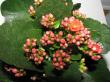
(72, 24)
(31, 11)
(77, 13)
(60, 58)
(38, 2)
(47, 20)
(48, 38)
(95, 47)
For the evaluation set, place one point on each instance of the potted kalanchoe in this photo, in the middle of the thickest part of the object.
(51, 41)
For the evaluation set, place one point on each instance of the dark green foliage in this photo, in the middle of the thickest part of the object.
(76, 6)
(99, 74)
(3, 75)
(19, 26)
(76, 57)
(71, 74)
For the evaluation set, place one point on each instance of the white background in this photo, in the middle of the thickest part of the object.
(92, 8)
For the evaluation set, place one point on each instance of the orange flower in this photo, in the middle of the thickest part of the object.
(75, 25)
(72, 24)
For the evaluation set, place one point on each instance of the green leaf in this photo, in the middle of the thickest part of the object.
(72, 74)
(100, 74)
(75, 57)
(56, 7)
(19, 26)
(76, 6)
(48, 68)
(56, 24)
(100, 33)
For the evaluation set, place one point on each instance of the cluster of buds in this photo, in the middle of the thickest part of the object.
(82, 67)
(72, 24)
(81, 37)
(48, 38)
(60, 58)
(95, 48)
(85, 33)
(78, 14)
(39, 55)
(31, 11)
(59, 36)
(29, 44)
(69, 38)
(32, 53)
(48, 20)
(63, 43)
(74, 39)
(14, 71)
(38, 2)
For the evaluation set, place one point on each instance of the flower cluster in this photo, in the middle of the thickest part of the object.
(48, 20)
(29, 44)
(39, 56)
(38, 2)
(72, 24)
(48, 38)
(31, 11)
(82, 66)
(14, 71)
(81, 37)
(77, 13)
(61, 42)
(59, 38)
(95, 48)
(60, 58)
(32, 53)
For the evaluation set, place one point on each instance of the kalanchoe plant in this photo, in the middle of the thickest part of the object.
(51, 42)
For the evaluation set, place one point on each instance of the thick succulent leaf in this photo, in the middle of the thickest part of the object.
(56, 7)
(76, 57)
(100, 32)
(76, 6)
(72, 74)
(99, 74)
(56, 24)
(19, 26)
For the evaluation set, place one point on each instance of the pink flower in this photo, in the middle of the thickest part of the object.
(96, 48)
